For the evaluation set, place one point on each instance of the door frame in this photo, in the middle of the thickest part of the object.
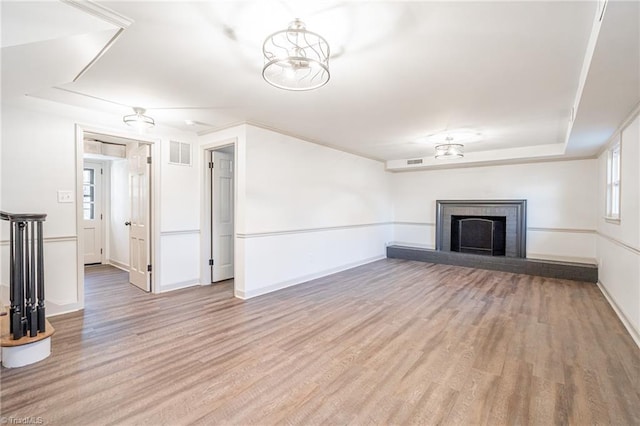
(154, 143)
(205, 222)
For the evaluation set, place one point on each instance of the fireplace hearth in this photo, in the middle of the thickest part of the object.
(513, 213)
(485, 227)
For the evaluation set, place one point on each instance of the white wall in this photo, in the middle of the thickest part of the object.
(39, 158)
(310, 210)
(180, 220)
(120, 210)
(561, 222)
(618, 244)
(304, 210)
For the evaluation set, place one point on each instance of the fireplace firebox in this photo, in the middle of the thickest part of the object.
(478, 234)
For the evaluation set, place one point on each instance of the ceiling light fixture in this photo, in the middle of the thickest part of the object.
(139, 120)
(449, 150)
(296, 59)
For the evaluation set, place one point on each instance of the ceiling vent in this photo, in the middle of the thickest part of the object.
(415, 161)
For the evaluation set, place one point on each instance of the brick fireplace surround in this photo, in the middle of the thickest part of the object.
(515, 212)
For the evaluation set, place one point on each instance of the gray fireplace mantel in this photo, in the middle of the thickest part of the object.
(515, 212)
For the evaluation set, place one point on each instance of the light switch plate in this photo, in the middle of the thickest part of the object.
(65, 196)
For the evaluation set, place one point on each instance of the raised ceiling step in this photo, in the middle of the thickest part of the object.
(543, 268)
(26, 350)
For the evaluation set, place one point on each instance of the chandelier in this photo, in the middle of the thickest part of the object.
(139, 120)
(296, 59)
(449, 150)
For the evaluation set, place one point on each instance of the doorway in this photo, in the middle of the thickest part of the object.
(117, 213)
(92, 189)
(220, 212)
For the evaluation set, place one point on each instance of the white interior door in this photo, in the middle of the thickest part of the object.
(222, 216)
(139, 244)
(92, 212)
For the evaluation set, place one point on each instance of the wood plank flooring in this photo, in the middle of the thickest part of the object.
(392, 342)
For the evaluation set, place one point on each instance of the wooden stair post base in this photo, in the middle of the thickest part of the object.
(24, 351)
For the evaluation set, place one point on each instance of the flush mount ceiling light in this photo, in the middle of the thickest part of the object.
(139, 120)
(449, 150)
(296, 59)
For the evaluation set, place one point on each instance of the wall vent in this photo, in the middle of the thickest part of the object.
(415, 161)
(180, 153)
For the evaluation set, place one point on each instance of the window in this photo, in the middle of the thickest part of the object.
(180, 153)
(89, 193)
(613, 182)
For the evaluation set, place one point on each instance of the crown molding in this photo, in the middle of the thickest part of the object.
(100, 12)
(292, 135)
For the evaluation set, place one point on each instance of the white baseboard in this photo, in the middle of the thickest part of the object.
(53, 309)
(635, 335)
(299, 280)
(179, 285)
(118, 265)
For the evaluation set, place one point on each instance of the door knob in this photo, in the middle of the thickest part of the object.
(127, 223)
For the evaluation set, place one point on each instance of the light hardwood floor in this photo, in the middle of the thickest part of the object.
(392, 342)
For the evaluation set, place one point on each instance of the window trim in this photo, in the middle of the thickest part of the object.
(91, 185)
(614, 153)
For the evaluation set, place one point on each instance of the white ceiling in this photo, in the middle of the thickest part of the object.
(399, 70)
